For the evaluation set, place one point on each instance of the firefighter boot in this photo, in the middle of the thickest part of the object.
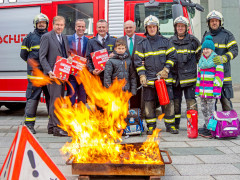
(172, 129)
(177, 111)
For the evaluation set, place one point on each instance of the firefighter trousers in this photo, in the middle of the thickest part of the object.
(189, 94)
(151, 99)
(33, 96)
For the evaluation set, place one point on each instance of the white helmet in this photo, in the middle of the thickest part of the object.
(151, 20)
(40, 17)
(215, 15)
(182, 20)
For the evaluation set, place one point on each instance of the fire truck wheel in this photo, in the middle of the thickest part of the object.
(15, 106)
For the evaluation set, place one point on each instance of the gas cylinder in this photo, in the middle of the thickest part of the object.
(162, 91)
(192, 123)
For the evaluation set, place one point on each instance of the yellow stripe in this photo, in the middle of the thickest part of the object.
(139, 54)
(220, 45)
(177, 115)
(170, 62)
(174, 81)
(151, 120)
(230, 54)
(228, 79)
(185, 51)
(35, 47)
(25, 47)
(188, 81)
(141, 68)
(150, 83)
(30, 119)
(155, 53)
(198, 49)
(169, 120)
(33, 77)
(170, 50)
(231, 43)
(169, 80)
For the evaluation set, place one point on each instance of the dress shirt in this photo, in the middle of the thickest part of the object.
(76, 41)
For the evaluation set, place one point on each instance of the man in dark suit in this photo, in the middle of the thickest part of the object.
(54, 44)
(101, 41)
(77, 44)
(132, 39)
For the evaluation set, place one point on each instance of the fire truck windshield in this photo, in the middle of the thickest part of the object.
(162, 12)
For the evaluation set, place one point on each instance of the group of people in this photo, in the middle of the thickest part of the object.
(187, 66)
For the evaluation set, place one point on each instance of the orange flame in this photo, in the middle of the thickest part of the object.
(95, 130)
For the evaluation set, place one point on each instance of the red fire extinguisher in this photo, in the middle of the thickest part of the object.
(192, 123)
(162, 91)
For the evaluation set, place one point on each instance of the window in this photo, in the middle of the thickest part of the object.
(162, 12)
(72, 12)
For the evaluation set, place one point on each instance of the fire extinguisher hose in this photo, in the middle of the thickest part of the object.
(140, 87)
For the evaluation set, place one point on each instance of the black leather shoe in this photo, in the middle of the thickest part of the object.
(50, 131)
(31, 128)
(60, 133)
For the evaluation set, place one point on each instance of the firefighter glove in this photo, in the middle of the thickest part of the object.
(163, 73)
(143, 80)
(220, 59)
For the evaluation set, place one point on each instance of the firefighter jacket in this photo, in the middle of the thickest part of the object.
(30, 48)
(156, 52)
(120, 66)
(188, 54)
(225, 44)
(95, 45)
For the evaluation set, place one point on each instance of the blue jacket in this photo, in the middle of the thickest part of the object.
(72, 44)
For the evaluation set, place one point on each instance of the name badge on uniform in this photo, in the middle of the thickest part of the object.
(110, 47)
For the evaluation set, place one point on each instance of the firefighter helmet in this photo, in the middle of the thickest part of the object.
(182, 20)
(215, 15)
(40, 17)
(151, 20)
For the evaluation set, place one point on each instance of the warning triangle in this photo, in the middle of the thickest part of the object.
(26, 159)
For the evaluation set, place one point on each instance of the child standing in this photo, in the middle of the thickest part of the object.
(120, 66)
(209, 82)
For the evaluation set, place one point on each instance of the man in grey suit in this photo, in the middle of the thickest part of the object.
(132, 39)
(54, 44)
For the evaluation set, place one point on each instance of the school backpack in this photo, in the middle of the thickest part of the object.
(134, 122)
(224, 124)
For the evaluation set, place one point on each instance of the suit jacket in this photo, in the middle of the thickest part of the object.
(49, 50)
(72, 44)
(136, 40)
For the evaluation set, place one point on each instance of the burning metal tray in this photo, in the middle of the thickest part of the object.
(91, 169)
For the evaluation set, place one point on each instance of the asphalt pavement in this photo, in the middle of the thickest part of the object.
(200, 158)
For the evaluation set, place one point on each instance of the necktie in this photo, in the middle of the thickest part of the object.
(103, 42)
(60, 38)
(131, 46)
(79, 48)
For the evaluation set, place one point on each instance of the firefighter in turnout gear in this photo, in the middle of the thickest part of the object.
(227, 49)
(30, 50)
(158, 56)
(185, 69)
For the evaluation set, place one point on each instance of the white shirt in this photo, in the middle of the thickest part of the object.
(128, 40)
(100, 38)
(76, 41)
(58, 37)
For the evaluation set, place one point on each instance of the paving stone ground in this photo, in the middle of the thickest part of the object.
(198, 159)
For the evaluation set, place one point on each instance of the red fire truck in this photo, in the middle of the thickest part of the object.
(17, 21)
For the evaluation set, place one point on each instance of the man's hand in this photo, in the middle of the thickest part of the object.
(52, 75)
(143, 80)
(220, 59)
(70, 59)
(97, 71)
(163, 73)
